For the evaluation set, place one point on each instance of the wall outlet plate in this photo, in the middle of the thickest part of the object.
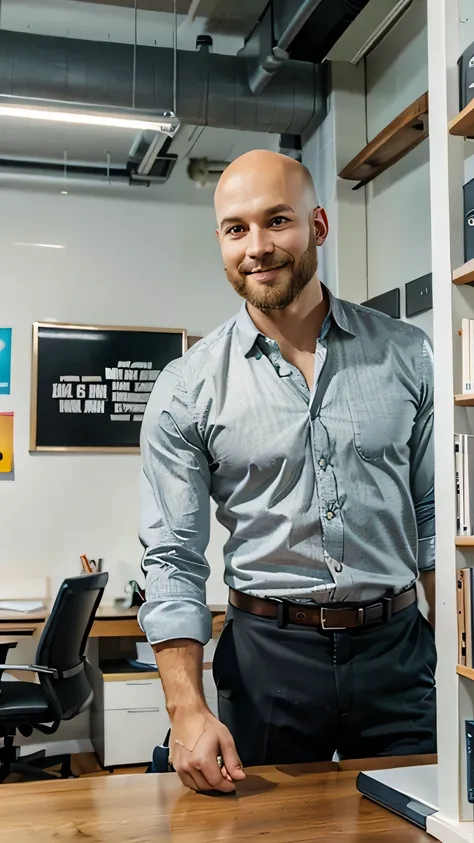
(388, 303)
(418, 295)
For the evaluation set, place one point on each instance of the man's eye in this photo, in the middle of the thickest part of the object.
(279, 220)
(236, 229)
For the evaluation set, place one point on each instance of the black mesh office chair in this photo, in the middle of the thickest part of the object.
(64, 689)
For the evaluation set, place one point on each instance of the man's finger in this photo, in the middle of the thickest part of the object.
(232, 762)
(189, 782)
(212, 773)
(225, 773)
(196, 776)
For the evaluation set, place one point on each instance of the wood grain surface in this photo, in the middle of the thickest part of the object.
(280, 805)
(395, 141)
(110, 622)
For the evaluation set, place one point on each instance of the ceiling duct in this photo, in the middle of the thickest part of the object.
(306, 30)
(212, 89)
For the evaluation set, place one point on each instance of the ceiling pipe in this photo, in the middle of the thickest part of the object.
(267, 65)
(213, 89)
(55, 169)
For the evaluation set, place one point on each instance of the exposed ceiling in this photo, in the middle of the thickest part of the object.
(113, 27)
(113, 20)
(233, 17)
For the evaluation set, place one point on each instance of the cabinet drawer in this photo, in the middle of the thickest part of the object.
(130, 736)
(133, 693)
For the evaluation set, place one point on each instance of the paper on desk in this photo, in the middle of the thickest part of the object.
(145, 654)
(24, 606)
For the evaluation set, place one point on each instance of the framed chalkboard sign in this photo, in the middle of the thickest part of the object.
(91, 384)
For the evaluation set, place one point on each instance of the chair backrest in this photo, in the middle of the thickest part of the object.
(63, 642)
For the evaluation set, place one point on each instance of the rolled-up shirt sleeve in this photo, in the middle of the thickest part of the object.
(422, 461)
(175, 515)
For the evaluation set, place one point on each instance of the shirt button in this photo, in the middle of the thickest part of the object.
(337, 567)
(329, 515)
(322, 462)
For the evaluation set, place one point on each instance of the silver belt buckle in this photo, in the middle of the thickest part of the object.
(324, 623)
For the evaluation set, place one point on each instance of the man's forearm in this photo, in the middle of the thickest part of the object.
(180, 665)
(427, 579)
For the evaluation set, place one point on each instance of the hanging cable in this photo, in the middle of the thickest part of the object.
(135, 43)
(65, 191)
(175, 57)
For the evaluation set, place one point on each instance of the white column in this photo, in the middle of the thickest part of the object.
(446, 239)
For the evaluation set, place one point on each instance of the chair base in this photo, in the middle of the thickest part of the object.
(32, 766)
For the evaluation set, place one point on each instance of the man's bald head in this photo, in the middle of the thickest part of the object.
(269, 227)
(261, 167)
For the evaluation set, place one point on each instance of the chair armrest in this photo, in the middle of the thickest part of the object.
(31, 668)
(6, 644)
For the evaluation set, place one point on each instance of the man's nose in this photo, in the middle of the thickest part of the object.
(259, 243)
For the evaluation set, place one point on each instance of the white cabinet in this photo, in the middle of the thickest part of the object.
(128, 719)
(133, 693)
(130, 736)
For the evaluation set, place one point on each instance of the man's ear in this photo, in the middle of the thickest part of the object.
(218, 235)
(321, 225)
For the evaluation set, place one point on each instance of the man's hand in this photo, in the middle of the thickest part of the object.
(428, 581)
(198, 740)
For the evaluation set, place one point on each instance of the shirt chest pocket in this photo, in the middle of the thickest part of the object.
(378, 427)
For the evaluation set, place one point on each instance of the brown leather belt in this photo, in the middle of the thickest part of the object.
(330, 617)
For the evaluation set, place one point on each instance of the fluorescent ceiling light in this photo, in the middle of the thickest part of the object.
(87, 115)
(39, 245)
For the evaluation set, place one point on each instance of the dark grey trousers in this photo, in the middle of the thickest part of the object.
(299, 694)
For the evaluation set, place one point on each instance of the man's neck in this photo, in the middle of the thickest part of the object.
(298, 325)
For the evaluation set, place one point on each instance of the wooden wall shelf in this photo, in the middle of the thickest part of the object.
(466, 400)
(467, 672)
(463, 123)
(402, 135)
(464, 274)
(464, 541)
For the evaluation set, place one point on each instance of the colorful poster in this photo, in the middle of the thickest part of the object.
(6, 443)
(5, 360)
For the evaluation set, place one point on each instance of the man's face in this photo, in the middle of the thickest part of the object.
(269, 235)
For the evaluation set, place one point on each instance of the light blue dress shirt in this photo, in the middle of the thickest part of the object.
(327, 493)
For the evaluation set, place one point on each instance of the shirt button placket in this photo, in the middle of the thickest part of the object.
(331, 521)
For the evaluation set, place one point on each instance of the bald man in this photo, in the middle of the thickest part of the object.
(308, 420)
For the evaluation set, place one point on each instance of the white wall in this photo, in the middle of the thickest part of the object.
(381, 234)
(129, 257)
(342, 264)
(320, 158)
(398, 201)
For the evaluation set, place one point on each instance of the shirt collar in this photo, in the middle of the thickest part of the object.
(339, 311)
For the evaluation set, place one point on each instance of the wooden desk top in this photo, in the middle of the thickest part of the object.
(110, 622)
(106, 613)
(303, 804)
